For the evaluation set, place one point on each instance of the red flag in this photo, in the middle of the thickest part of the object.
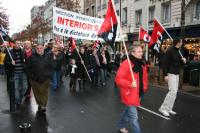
(109, 27)
(157, 33)
(96, 44)
(72, 44)
(144, 35)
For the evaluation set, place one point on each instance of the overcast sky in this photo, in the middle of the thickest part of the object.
(19, 12)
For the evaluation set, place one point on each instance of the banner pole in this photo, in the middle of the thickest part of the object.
(83, 64)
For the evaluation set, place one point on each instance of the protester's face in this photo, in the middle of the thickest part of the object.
(73, 61)
(94, 51)
(27, 45)
(40, 49)
(179, 44)
(138, 53)
(82, 50)
(17, 45)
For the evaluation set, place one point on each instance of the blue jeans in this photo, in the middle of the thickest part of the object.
(55, 83)
(103, 75)
(2, 70)
(130, 115)
(21, 86)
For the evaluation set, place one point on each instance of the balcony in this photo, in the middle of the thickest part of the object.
(124, 23)
(116, 1)
(99, 8)
(104, 6)
(151, 22)
(195, 18)
(138, 24)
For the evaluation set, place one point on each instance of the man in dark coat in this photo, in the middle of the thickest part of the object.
(39, 69)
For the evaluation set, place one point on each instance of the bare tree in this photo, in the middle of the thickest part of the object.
(4, 20)
(72, 5)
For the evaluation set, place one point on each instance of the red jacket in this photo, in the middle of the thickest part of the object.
(130, 95)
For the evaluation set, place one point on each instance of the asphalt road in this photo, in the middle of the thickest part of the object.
(97, 110)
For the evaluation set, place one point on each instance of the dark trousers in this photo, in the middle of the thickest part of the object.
(72, 84)
(95, 76)
(40, 91)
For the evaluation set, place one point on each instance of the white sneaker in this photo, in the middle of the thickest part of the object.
(123, 130)
(172, 112)
(164, 112)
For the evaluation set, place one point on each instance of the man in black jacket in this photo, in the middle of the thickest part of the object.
(171, 66)
(39, 69)
(16, 68)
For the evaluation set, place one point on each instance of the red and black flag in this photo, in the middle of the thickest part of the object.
(4, 37)
(96, 45)
(144, 36)
(72, 45)
(108, 29)
(157, 35)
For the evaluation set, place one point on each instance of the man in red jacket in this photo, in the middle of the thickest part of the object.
(131, 90)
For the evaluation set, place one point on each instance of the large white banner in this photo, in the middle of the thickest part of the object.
(71, 24)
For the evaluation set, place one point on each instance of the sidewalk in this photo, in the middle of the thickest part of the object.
(185, 88)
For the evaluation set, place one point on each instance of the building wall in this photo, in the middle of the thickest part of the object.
(190, 14)
(81, 6)
(48, 17)
(90, 7)
(36, 14)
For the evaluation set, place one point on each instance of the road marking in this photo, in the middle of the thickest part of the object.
(189, 94)
(152, 112)
(179, 91)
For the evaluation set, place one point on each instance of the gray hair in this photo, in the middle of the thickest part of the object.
(134, 47)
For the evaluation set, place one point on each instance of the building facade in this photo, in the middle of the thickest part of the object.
(136, 13)
(48, 17)
(90, 8)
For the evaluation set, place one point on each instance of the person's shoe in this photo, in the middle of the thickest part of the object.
(123, 130)
(164, 112)
(43, 109)
(172, 112)
(39, 108)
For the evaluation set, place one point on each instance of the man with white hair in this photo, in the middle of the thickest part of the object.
(40, 69)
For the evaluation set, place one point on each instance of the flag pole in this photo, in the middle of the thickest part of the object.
(139, 35)
(146, 46)
(83, 64)
(123, 41)
(168, 35)
(164, 29)
(7, 49)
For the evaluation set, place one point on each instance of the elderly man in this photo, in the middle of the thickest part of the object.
(39, 69)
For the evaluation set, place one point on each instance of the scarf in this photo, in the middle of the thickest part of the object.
(73, 69)
(137, 68)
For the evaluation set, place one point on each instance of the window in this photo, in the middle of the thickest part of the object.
(93, 11)
(166, 12)
(87, 11)
(151, 14)
(197, 11)
(138, 17)
(124, 16)
(104, 4)
(116, 1)
(99, 5)
(117, 12)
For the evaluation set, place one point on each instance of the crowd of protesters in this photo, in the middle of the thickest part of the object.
(38, 67)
